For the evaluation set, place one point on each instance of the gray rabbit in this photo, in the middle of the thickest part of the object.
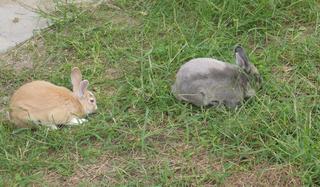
(210, 82)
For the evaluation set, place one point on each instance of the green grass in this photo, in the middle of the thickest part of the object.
(147, 137)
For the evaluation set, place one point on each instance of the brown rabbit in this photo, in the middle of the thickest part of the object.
(43, 103)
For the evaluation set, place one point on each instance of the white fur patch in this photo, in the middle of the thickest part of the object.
(77, 121)
(53, 127)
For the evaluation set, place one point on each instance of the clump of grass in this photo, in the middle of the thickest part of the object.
(141, 123)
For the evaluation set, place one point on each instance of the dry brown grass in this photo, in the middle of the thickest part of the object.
(187, 163)
(265, 175)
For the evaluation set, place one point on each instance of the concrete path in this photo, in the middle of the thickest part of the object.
(19, 20)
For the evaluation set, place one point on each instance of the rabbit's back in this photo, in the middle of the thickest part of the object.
(203, 65)
(43, 102)
(205, 81)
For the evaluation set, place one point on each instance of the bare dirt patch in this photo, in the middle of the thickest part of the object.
(23, 57)
(265, 175)
(103, 171)
(113, 169)
(113, 73)
(186, 163)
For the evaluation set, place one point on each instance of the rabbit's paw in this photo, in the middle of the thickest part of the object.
(77, 121)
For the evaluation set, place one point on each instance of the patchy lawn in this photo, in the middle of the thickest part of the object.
(141, 135)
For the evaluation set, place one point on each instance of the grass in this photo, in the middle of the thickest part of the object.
(142, 135)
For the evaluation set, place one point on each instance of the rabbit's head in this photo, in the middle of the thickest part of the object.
(86, 98)
(254, 79)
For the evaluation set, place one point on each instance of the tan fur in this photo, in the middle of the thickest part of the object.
(41, 102)
(45, 103)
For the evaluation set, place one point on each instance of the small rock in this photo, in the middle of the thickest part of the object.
(15, 20)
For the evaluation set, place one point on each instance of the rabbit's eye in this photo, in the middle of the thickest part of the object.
(92, 100)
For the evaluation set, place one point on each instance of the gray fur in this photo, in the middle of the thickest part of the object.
(207, 81)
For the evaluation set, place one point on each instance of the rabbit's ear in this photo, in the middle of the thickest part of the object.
(83, 87)
(241, 59)
(76, 78)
